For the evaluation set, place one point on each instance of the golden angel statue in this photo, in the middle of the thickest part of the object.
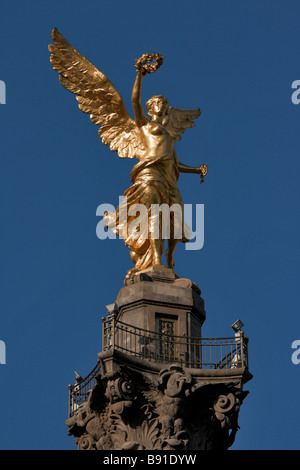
(149, 139)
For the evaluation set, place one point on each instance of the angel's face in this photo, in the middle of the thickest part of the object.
(159, 107)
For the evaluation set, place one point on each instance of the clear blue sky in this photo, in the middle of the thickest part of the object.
(236, 60)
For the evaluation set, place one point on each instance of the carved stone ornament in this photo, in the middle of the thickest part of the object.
(165, 411)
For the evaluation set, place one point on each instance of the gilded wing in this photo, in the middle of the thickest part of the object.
(97, 97)
(179, 120)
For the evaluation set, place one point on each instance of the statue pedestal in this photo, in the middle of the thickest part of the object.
(159, 384)
(169, 307)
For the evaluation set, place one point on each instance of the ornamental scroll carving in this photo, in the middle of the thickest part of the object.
(165, 411)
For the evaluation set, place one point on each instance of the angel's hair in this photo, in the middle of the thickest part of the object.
(153, 98)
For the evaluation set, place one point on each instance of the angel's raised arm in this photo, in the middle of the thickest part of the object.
(139, 115)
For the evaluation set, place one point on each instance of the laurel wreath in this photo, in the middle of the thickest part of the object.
(149, 63)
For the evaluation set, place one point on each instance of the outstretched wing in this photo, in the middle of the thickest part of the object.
(97, 97)
(179, 120)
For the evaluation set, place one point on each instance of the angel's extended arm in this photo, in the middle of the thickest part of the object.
(186, 168)
(139, 115)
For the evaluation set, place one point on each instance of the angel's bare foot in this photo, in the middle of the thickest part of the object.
(170, 264)
(131, 273)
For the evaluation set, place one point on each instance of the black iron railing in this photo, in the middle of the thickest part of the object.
(78, 393)
(201, 353)
(204, 353)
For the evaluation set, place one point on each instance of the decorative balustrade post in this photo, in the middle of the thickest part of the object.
(113, 332)
(103, 333)
(242, 348)
(70, 387)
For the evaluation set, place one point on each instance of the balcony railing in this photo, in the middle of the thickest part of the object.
(202, 353)
(78, 393)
